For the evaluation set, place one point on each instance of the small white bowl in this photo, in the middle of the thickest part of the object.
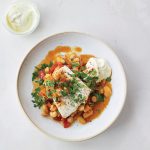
(90, 45)
(35, 24)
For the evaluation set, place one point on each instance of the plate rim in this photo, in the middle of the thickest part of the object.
(57, 137)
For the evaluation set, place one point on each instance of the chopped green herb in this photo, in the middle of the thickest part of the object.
(49, 94)
(40, 81)
(108, 79)
(43, 66)
(73, 75)
(64, 84)
(83, 68)
(50, 83)
(34, 75)
(38, 89)
(38, 69)
(93, 72)
(100, 97)
(50, 64)
(56, 99)
(74, 64)
(64, 93)
(38, 100)
(81, 75)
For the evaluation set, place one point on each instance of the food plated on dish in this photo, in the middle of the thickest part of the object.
(69, 86)
(103, 111)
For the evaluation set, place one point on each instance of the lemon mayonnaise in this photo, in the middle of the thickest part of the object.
(101, 67)
(22, 17)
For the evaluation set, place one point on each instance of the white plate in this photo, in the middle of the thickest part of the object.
(89, 45)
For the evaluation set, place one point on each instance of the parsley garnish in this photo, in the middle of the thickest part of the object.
(81, 75)
(83, 68)
(38, 100)
(64, 93)
(92, 72)
(50, 64)
(74, 64)
(43, 66)
(49, 94)
(34, 75)
(50, 83)
(108, 79)
(38, 69)
(100, 97)
(64, 84)
(40, 81)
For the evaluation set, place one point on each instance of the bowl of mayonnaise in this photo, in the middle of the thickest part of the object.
(21, 17)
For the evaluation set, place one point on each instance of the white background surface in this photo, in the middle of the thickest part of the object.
(125, 26)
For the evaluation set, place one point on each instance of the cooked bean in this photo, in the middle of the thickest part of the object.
(88, 114)
(47, 76)
(81, 108)
(60, 59)
(94, 99)
(76, 59)
(101, 91)
(81, 120)
(87, 108)
(70, 119)
(44, 110)
(107, 91)
(53, 114)
(46, 70)
(53, 108)
(72, 55)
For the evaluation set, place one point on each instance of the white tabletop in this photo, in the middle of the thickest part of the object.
(125, 26)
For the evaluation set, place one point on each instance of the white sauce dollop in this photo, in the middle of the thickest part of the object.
(22, 17)
(100, 65)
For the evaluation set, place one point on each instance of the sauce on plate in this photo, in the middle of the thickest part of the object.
(99, 106)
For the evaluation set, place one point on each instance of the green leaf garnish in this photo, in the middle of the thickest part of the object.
(108, 79)
(38, 100)
(34, 75)
(100, 97)
(37, 89)
(39, 81)
(83, 68)
(50, 83)
(64, 93)
(74, 64)
(50, 64)
(43, 66)
(49, 94)
(37, 68)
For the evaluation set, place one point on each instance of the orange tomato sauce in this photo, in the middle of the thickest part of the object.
(99, 106)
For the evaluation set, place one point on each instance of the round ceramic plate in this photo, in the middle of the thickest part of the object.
(90, 45)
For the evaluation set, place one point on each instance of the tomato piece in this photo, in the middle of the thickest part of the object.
(43, 92)
(58, 118)
(58, 64)
(49, 100)
(63, 79)
(51, 70)
(89, 99)
(103, 83)
(48, 104)
(66, 123)
(41, 74)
